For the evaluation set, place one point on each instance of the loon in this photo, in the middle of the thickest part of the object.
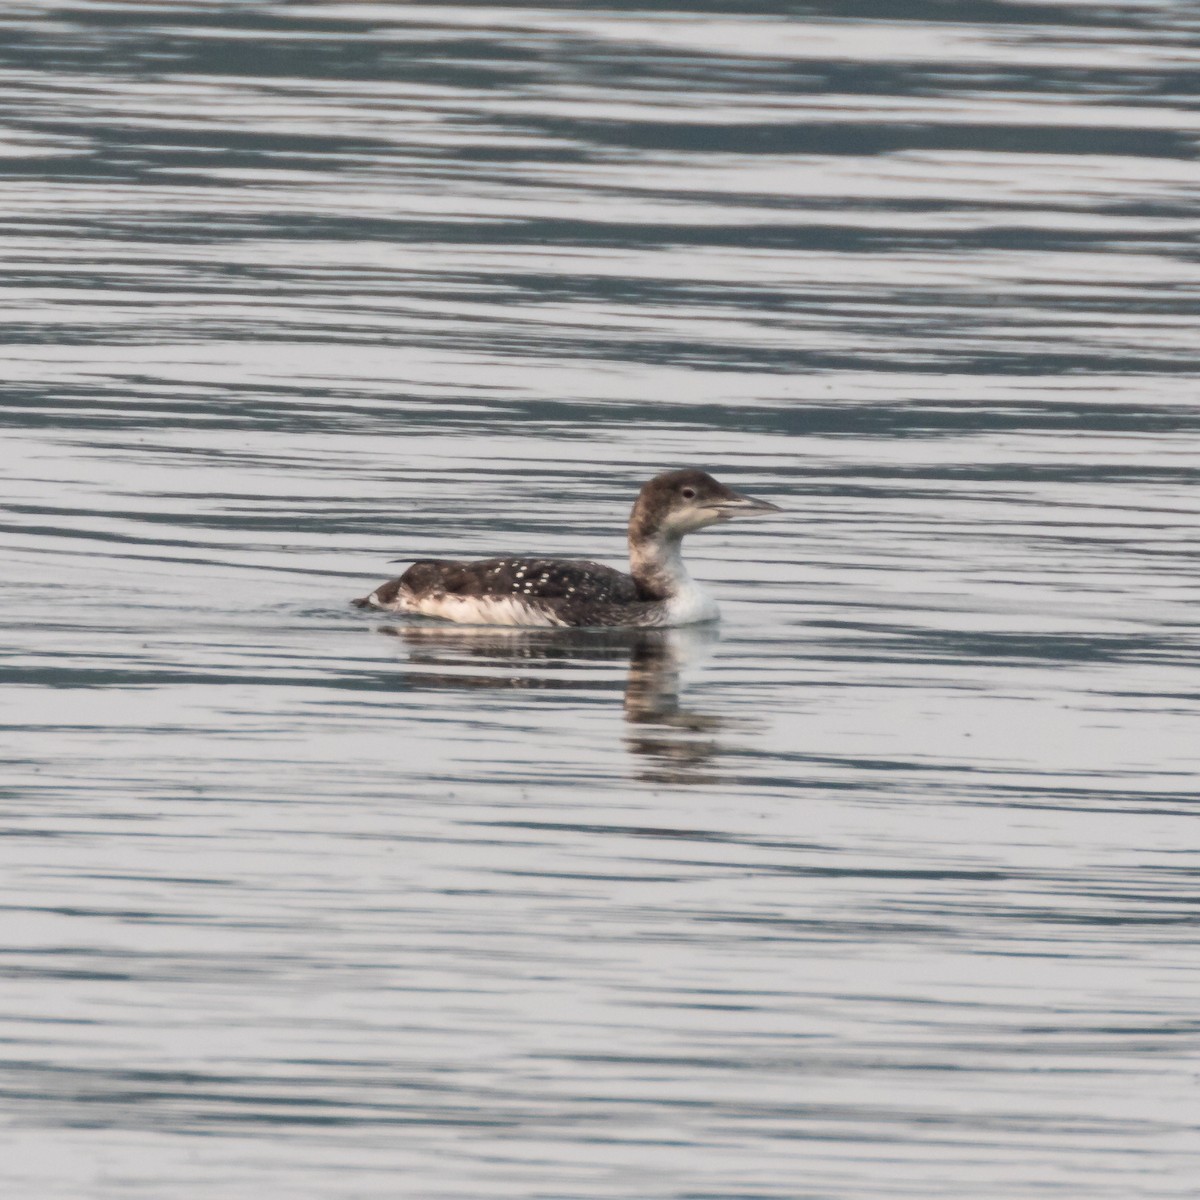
(658, 591)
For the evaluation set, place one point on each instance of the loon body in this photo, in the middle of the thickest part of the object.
(658, 590)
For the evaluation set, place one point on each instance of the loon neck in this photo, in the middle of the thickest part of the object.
(656, 564)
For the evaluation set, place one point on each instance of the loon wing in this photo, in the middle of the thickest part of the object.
(540, 578)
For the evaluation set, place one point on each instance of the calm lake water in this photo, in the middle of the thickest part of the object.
(888, 888)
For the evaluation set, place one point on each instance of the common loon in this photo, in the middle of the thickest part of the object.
(570, 592)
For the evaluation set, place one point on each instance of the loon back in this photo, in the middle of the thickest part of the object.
(514, 591)
(538, 578)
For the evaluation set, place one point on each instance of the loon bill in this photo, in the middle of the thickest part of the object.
(573, 592)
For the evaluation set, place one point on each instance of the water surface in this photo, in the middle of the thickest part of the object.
(886, 888)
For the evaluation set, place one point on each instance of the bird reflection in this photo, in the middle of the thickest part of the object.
(673, 744)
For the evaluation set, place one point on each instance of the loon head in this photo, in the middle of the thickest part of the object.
(680, 502)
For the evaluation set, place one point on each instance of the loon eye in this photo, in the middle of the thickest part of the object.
(688, 493)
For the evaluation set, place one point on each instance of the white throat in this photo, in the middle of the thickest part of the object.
(659, 565)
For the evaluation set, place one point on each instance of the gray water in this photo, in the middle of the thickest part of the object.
(887, 889)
